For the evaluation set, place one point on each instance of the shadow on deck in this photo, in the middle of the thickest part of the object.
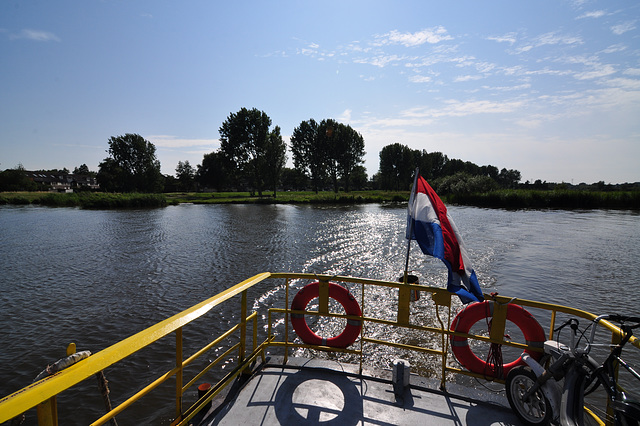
(305, 392)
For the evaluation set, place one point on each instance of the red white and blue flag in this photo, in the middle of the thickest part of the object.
(429, 223)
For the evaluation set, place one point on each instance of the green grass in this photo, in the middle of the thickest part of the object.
(87, 200)
(290, 197)
(558, 199)
(509, 199)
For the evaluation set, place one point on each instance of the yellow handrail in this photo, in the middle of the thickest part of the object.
(28, 397)
(46, 389)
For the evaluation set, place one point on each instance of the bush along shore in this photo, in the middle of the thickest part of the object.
(507, 199)
(554, 199)
(87, 200)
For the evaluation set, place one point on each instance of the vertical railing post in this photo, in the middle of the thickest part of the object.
(443, 298)
(404, 297)
(286, 319)
(48, 412)
(179, 373)
(323, 297)
(498, 322)
(243, 326)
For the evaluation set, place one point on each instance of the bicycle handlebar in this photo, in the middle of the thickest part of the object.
(623, 318)
(617, 318)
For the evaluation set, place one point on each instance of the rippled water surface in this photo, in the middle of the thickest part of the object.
(95, 277)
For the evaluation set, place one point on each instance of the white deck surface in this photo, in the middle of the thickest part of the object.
(292, 395)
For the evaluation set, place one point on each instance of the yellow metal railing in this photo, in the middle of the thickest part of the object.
(44, 392)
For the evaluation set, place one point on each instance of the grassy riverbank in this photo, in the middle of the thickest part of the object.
(556, 199)
(291, 197)
(509, 199)
(87, 200)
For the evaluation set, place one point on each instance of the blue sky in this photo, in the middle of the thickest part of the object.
(550, 88)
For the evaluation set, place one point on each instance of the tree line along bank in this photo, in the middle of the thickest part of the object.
(327, 155)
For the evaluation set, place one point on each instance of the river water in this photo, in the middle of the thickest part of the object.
(95, 277)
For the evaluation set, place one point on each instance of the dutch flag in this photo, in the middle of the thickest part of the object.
(429, 223)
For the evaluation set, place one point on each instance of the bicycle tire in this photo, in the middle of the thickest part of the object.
(537, 410)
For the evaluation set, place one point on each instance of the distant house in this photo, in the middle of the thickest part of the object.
(62, 182)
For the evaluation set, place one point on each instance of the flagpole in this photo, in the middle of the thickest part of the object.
(411, 200)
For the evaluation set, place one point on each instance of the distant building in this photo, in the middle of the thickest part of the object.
(63, 182)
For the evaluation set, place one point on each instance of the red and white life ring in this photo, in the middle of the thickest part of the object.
(342, 296)
(531, 329)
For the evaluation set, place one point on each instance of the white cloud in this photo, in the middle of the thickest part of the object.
(169, 141)
(554, 38)
(345, 117)
(431, 36)
(464, 78)
(550, 39)
(508, 88)
(419, 79)
(601, 70)
(593, 14)
(615, 48)
(380, 61)
(624, 27)
(35, 35)
(626, 84)
(455, 108)
(507, 38)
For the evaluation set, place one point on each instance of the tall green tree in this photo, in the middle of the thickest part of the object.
(329, 140)
(276, 158)
(431, 164)
(509, 178)
(327, 150)
(397, 165)
(309, 157)
(247, 143)
(359, 180)
(214, 172)
(132, 166)
(185, 174)
(350, 153)
(294, 179)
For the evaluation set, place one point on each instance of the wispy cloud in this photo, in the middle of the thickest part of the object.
(345, 116)
(35, 35)
(169, 141)
(551, 38)
(615, 48)
(463, 78)
(599, 70)
(431, 36)
(592, 14)
(419, 79)
(625, 84)
(524, 86)
(456, 108)
(380, 60)
(507, 38)
(623, 27)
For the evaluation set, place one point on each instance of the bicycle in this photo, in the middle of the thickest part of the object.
(537, 396)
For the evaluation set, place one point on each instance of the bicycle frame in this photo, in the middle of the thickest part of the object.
(581, 372)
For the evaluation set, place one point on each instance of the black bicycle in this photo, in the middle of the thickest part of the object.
(540, 395)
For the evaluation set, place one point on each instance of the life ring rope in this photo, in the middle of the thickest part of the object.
(532, 330)
(341, 295)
